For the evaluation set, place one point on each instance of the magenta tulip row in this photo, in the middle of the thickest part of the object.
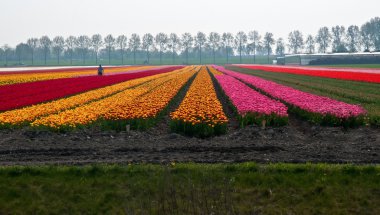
(306, 102)
(246, 100)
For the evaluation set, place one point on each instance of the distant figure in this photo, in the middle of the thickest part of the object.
(100, 70)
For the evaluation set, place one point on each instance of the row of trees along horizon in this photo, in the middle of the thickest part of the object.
(201, 48)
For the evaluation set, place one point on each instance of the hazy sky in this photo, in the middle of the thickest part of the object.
(22, 19)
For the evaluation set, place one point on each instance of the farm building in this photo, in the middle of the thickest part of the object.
(325, 59)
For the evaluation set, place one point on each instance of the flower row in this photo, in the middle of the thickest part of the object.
(359, 75)
(252, 106)
(200, 113)
(21, 95)
(128, 104)
(40, 75)
(318, 109)
(28, 114)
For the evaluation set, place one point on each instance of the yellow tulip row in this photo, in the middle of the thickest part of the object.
(150, 104)
(214, 71)
(201, 105)
(28, 114)
(23, 78)
(110, 106)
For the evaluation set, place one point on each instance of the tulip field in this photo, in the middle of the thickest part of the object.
(139, 97)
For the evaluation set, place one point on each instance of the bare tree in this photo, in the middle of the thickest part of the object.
(134, 45)
(71, 42)
(58, 46)
(109, 41)
(214, 40)
(365, 36)
(280, 47)
(20, 51)
(148, 41)
(268, 42)
(83, 44)
(323, 38)
(33, 44)
(374, 25)
(96, 43)
(121, 42)
(353, 38)
(45, 44)
(338, 36)
(161, 41)
(240, 41)
(174, 42)
(255, 38)
(227, 40)
(187, 42)
(295, 41)
(310, 47)
(200, 40)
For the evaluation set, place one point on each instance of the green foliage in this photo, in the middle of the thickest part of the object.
(245, 188)
(201, 130)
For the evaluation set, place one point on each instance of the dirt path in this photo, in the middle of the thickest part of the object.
(297, 142)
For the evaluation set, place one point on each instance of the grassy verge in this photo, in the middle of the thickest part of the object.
(365, 94)
(245, 188)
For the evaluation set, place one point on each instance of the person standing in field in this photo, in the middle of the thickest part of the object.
(100, 70)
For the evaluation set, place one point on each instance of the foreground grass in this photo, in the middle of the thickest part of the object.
(245, 188)
(354, 92)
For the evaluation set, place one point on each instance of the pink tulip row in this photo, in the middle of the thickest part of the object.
(246, 100)
(305, 101)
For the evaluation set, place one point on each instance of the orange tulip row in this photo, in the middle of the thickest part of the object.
(118, 105)
(201, 105)
(29, 114)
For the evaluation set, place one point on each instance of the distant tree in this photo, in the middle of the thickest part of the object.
(121, 42)
(134, 45)
(374, 25)
(200, 40)
(58, 46)
(33, 44)
(254, 38)
(268, 42)
(280, 47)
(240, 41)
(20, 51)
(338, 36)
(6, 49)
(227, 40)
(353, 38)
(295, 41)
(96, 43)
(310, 44)
(148, 41)
(1, 52)
(71, 42)
(187, 42)
(214, 41)
(323, 38)
(161, 41)
(109, 41)
(174, 43)
(45, 44)
(83, 45)
(365, 36)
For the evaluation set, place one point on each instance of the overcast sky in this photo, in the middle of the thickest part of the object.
(22, 19)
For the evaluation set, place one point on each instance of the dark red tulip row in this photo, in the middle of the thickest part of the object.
(360, 75)
(25, 94)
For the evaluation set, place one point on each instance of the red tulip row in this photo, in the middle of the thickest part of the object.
(360, 75)
(20, 95)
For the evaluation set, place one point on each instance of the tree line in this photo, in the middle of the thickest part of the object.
(336, 39)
